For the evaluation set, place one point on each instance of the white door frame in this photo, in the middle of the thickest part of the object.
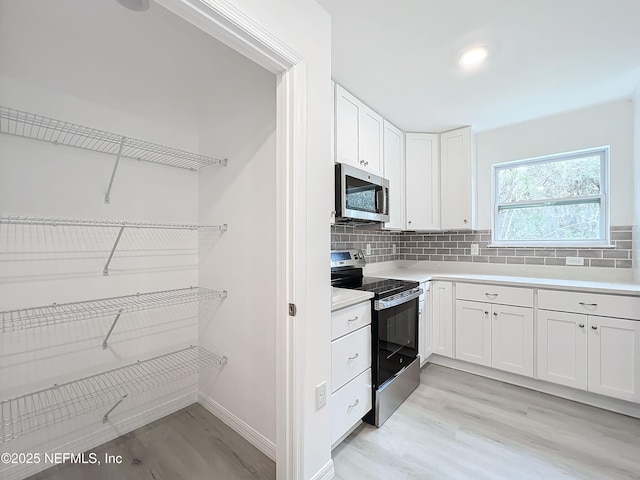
(232, 27)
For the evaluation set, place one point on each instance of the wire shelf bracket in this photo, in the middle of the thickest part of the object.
(45, 316)
(59, 132)
(65, 222)
(20, 416)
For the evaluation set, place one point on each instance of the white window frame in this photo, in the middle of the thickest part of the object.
(604, 239)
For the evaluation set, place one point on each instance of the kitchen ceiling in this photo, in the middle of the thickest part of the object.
(545, 57)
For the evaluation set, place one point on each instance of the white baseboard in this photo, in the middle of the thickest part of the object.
(249, 433)
(104, 434)
(325, 473)
(581, 396)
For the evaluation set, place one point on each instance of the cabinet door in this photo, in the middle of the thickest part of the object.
(393, 170)
(442, 318)
(458, 180)
(512, 339)
(562, 348)
(428, 325)
(371, 141)
(422, 334)
(473, 332)
(614, 357)
(422, 181)
(347, 127)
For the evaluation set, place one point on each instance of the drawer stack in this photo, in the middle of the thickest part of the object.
(351, 395)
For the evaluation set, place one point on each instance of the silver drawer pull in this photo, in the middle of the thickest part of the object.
(353, 319)
(491, 295)
(354, 357)
(354, 404)
(588, 304)
(581, 325)
(595, 327)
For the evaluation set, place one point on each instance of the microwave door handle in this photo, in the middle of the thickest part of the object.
(385, 200)
(380, 193)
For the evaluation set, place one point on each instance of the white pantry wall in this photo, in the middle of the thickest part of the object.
(607, 124)
(243, 259)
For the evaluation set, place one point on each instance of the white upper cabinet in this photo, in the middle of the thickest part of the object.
(371, 140)
(422, 181)
(393, 163)
(458, 180)
(358, 133)
(614, 357)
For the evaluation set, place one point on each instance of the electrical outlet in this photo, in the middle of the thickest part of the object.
(393, 249)
(579, 261)
(475, 249)
(368, 249)
(321, 395)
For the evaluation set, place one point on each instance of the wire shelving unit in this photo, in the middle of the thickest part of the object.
(121, 226)
(32, 412)
(48, 315)
(60, 132)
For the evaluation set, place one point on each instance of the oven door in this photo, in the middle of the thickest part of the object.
(397, 339)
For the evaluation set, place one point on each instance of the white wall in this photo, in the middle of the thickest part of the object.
(636, 176)
(305, 27)
(243, 259)
(608, 124)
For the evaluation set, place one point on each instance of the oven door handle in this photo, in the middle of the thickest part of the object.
(394, 302)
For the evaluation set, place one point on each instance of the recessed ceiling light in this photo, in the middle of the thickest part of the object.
(135, 5)
(473, 56)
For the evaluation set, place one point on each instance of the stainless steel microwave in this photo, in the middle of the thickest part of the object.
(360, 195)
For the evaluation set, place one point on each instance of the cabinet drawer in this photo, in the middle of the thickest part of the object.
(350, 356)
(350, 319)
(590, 303)
(520, 297)
(350, 404)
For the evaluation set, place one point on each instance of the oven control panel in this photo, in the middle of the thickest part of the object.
(347, 258)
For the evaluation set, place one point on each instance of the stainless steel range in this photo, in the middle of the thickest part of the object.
(394, 336)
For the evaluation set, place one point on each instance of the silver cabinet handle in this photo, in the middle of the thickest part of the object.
(465, 220)
(409, 222)
(366, 164)
(495, 314)
(594, 327)
(581, 325)
(491, 295)
(588, 304)
(486, 313)
(354, 357)
(353, 319)
(355, 404)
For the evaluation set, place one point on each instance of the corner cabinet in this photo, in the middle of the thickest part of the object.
(358, 133)
(394, 165)
(458, 180)
(422, 186)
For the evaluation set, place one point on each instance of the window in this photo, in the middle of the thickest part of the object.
(555, 200)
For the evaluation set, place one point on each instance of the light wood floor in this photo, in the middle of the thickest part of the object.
(190, 444)
(461, 426)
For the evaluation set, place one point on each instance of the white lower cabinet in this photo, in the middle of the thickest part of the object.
(599, 354)
(349, 404)
(442, 317)
(614, 357)
(350, 356)
(473, 332)
(512, 339)
(351, 393)
(562, 348)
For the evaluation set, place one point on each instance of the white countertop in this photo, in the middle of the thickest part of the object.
(343, 297)
(424, 275)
